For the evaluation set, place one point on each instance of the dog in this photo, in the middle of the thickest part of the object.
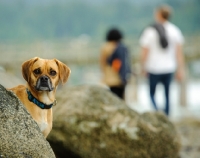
(38, 95)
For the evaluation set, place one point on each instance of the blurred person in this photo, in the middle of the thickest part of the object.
(161, 53)
(114, 62)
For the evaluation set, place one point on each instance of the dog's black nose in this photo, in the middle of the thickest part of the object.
(44, 78)
(44, 84)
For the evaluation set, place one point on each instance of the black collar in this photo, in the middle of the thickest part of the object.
(37, 102)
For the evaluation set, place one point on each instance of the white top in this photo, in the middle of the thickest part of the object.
(159, 60)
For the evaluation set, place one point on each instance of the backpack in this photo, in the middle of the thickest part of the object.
(121, 61)
(162, 34)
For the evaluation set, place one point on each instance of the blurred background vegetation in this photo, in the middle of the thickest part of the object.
(24, 20)
(74, 30)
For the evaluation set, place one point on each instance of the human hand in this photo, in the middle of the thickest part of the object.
(180, 75)
(144, 73)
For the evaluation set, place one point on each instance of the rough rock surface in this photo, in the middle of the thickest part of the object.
(20, 136)
(190, 137)
(90, 122)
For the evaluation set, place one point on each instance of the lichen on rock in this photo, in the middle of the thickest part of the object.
(89, 121)
(20, 136)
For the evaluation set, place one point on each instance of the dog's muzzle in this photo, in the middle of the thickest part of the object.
(44, 84)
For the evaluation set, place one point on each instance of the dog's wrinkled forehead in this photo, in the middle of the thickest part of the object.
(45, 65)
(38, 66)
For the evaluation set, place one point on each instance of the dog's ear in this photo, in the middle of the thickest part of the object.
(64, 71)
(26, 68)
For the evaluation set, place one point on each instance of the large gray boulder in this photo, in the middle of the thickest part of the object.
(20, 136)
(189, 128)
(90, 122)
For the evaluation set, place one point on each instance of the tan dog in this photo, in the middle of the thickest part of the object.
(38, 95)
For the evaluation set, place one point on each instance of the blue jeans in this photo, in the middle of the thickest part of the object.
(165, 79)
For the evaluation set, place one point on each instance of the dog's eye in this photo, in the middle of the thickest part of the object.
(52, 73)
(37, 71)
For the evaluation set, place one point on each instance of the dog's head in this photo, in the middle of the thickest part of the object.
(44, 74)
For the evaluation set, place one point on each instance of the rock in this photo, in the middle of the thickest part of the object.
(189, 128)
(90, 122)
(20, 136)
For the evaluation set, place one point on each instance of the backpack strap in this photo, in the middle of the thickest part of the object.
(162, 35)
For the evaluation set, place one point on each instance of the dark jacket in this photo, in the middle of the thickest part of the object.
(121, 53)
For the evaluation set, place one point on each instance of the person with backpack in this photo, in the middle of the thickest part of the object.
(161, 55)
(114, 62)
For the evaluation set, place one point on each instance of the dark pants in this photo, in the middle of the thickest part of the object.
(165, 79)
(119, 91)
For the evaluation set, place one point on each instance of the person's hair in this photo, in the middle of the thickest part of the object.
(165, 11)
(114, 35)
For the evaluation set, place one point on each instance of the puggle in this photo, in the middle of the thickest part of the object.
(38, 95)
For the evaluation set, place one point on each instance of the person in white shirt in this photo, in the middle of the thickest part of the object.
(161, 53)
